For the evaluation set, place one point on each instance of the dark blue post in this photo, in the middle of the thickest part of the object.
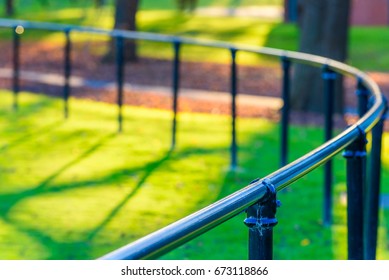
(234, 146)
(119, 79)
(356, 176)
(356, 184)
(67, 72)
(373, 193)
(176, 85)
(261, 218)
(363, 97)
(285, 110)
(16, 66)
(329, 77)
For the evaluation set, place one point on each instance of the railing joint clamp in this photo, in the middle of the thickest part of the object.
(357, 149)
(265, 217)
(354, 154)
(285, 62)
(177, 43)
(361, 88)
(67, 30)
(362, 92)
(233, 51)
(362, 134)
(328, 74)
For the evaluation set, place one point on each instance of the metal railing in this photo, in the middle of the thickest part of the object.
(258, 199)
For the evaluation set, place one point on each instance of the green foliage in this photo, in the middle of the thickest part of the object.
(76, 189)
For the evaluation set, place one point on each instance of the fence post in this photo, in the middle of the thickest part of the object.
(260, 220)
(67, 72)
(355, 154)
(16, 66)
(363, 97)
(285, 110)
(176, 85)
(234, 145)
(373, 194)
(119, 79)
(329, 77)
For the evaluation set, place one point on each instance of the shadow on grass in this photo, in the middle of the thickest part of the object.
(149, 170)
(26, 108)
(80, 249)
(27, 137)
(9, 200)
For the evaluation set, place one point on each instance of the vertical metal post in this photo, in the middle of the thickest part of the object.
(16, 66)
(260, 220)
(67, 72)
(119, 79)
(176, 85)
(285, 110)
(329, 77)
(373, 193)
(372, 196)
(363, 97)
(355, 155)
(234, 146)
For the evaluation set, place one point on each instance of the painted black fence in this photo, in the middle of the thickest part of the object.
(258, 199)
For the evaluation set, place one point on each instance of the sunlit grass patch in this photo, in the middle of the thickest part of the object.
(77, 189)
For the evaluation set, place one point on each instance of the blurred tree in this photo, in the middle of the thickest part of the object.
(323, 31)
(9, 7)
(99, 3)
(125, 19)
(187, 5)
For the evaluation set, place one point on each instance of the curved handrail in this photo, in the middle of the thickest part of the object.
(176, 234)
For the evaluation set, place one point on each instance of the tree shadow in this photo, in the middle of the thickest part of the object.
(68, 250)
(80, 249)
(150, 169)
(27, 137)
(27, 109)
(9, 200)
(79, 158)
(283, 36)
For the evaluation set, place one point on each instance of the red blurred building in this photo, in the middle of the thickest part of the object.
(370, 12)
(363, 12)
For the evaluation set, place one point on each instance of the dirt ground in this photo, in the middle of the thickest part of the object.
(212, 77)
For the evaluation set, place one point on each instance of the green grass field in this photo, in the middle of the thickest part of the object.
(76, 189)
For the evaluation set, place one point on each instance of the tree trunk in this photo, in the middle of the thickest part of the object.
(9, 7)
(99, 3)
(125, 19)
(186, 5)
(324, 32)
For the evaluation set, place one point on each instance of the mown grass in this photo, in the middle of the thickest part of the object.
(76, 189)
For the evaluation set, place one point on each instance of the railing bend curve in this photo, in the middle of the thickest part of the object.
(261, 193)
